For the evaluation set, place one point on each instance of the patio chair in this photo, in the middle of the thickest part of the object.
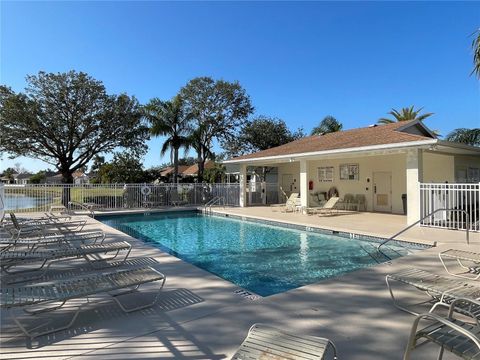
(459, 337)
(90, 252)
(442, 291)
(349, 202)
(328, 208)
(266, 342)
(175, 198)
(113, 282)
(291, 203)
(361, 201)
(461, 257)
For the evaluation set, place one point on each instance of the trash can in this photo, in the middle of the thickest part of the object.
(404, 201)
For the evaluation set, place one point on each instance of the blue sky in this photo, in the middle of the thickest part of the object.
(298, 61)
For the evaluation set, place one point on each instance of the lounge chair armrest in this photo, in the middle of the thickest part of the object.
(441, 320)
(457, 301)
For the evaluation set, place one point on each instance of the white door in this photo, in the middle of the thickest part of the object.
(382, 191)
(287, 183)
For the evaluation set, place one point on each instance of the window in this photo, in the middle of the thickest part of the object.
(325, 174)
(473, 174)
(349, 172)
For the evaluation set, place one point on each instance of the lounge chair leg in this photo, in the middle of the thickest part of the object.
(117, 300)
(32, 335)
(395, 302)
(35, 312)
(440, 353)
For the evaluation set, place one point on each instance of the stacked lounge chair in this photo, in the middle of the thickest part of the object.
(27, 255)
(460, 336)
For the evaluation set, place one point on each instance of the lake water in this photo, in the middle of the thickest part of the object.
(16, 202)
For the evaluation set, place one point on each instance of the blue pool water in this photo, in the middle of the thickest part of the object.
(261, 258)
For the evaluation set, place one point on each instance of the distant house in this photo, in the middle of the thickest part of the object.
(166, 174)
(22, 179)
(192, 171)
(53, 179)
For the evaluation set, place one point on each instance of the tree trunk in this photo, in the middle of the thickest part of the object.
(175, 165)
(201, 169)
(67, 178)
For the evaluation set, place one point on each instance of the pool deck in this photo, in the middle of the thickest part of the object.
(199, 315)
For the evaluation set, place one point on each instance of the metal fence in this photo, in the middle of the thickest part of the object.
(30, 198)
(262, 193)
(462, 197)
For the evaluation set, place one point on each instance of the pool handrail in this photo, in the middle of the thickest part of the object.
(467, 218)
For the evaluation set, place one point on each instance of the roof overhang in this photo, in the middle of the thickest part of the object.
(336, 152)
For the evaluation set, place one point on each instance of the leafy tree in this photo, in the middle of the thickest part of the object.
(405, 114)
(261, 133)
(126, 167)
(476, 53)
(38, 178)
(328, 125)
(168, 119)
(187, 161)
(465, 136)
(215, 174)
(65, 119)
(217, 108)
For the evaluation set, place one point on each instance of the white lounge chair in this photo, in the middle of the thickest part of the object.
(90, 252)
(441, 291)
(266, 342)
(462, 258)
(329, 207)
(78, 287)
(291, 203)
(7, 242)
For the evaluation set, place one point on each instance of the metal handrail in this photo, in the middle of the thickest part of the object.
(215, 200)
(467, 218)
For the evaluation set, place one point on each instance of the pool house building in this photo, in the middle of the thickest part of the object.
(396, 168)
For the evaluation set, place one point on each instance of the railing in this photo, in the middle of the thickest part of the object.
(464, 197)
(207, 208)
(39, 198)
(467, 232)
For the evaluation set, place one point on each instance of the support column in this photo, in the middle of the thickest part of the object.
(414, 168)
(304, 183)
(243, 185)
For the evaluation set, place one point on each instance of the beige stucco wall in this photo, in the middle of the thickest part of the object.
(396, 164)
(292, 168)
(438, 168)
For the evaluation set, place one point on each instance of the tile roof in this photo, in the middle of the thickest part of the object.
(193, 170)
(367, 136)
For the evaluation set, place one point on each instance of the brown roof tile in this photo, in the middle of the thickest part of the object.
(367, 136)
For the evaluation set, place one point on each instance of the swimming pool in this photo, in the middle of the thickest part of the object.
(261, 258)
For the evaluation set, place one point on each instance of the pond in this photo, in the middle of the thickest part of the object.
(17, 202)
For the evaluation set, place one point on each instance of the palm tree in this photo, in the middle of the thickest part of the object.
(405, 114)
(465, 136)
(168, 119)
(476, 53)
(328, 125)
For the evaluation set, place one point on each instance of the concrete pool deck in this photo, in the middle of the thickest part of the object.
(199, 315)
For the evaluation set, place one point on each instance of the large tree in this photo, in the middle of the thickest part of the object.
(261, 133)
(217, 108)
(65, 119)
(405, 114)
(168, 119)
(328, 125)
(465, 136)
